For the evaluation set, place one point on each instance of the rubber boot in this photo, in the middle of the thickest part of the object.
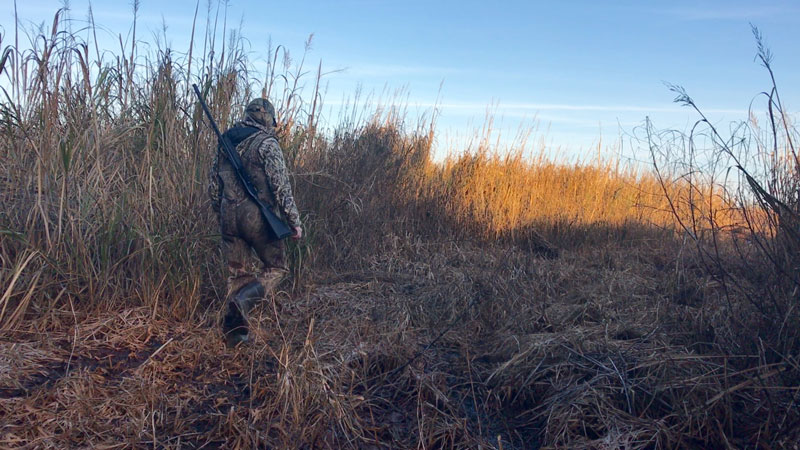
(234, 324)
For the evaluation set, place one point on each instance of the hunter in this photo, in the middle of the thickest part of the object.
(255, 263)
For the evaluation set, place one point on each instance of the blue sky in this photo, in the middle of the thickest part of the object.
(579, 70)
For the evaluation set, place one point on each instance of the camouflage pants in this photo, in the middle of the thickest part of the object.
(250, 257)
(247, 264)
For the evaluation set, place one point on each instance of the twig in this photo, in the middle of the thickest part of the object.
(152, 355)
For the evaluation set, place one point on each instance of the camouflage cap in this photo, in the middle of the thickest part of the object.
(261, 105)
(262, 111)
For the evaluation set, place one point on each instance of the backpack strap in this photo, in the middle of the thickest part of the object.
(238, 134)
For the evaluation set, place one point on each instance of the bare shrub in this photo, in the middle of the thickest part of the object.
(734, 194)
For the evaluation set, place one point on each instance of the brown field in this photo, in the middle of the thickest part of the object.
(485, 301)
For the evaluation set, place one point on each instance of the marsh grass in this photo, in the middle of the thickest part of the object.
(111, 277)
(106, 165)
(739, 207)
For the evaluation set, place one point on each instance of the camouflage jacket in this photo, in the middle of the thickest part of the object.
(271, 159)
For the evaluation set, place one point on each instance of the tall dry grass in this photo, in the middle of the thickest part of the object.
(105, 161)
(497, 194)
(105, 164)
(739, 207)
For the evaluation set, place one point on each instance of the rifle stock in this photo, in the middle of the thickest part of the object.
(276, 229)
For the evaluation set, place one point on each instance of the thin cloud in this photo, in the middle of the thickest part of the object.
(581, 116)
(578, 107)
(726, 12)
(537, 107)
(388, 70)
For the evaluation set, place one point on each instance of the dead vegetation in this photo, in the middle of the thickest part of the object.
(485, 302)
(590, 350)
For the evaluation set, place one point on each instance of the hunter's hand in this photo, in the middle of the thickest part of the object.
(298, 233)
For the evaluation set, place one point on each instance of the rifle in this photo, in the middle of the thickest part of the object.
(276, 229)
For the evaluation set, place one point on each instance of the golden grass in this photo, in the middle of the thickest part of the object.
(502, 193)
